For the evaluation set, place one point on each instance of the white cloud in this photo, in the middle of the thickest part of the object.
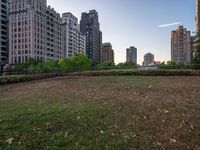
(169, 24)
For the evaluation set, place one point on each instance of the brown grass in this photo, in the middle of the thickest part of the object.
(164, 111)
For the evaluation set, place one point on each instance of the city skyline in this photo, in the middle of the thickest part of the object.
(147, 26)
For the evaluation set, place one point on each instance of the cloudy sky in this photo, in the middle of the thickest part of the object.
(145, 24)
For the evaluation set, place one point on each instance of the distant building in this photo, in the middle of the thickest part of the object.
(74, 40)
(195, 38)
(3, 33)
(35, 31)
(197, 19)
(131, 55)
(148, 60)
(181, 45)
(107, 53)
(90, 27)
(54, 36)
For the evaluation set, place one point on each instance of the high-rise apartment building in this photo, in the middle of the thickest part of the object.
(35, 31)
(55, 35)
(107, 53)
(131, 55)
(74, 40)
(181, 45)
(89, 26)
(148, 59)
(3, 33)
(195, 39)
(197, 16)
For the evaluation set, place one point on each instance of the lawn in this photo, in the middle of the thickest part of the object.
(99, 113)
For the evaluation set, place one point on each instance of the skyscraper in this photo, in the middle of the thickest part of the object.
(35, 31)
(131, 55)
(107, 53)
(148, 59)
(89, 26)
(74, 40)
(197, 15)
(181, 45)
(3, 33)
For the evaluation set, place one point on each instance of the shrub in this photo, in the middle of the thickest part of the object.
(106, 65)
(172, 65)
(127, 65)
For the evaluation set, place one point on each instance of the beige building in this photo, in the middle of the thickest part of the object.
(197, 19)
(74, 40)
(181, 45)
(197, 15)
(107, 53)
(35, 31)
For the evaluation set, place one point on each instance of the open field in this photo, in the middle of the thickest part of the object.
(99, 113)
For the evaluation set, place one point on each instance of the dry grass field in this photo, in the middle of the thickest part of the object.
(99, 113)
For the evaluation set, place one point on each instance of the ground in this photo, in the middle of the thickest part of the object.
(99, 113)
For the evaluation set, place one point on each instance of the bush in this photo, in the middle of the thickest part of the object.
(76, 63)
(127, 65)
(106, 65)
(172, 65)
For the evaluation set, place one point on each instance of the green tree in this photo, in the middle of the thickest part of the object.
(106, 65)
(127, 65)
(196, 59)
(76, 63)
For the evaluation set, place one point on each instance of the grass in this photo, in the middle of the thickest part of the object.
(142, 113)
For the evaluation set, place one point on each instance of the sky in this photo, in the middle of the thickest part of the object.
(145, 24)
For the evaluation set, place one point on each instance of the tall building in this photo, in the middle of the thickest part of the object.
(107, 53)
(55, 35)
(181, 45)
(195, 39)
(89, 26)
(35, 31)
(131, 55)
(197, 16)
(74, 40)
(3, 33)
(148, 59)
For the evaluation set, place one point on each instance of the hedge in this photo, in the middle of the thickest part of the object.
(25, 78)
(117, 72)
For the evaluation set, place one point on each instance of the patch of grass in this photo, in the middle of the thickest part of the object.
(63, 125)
(121, 112)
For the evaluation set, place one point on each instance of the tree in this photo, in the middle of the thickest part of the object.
(127, 65)
(106, 65)
(76, 63)
(196, 59)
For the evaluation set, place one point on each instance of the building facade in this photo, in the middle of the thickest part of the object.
(3, 33)
(148, 60)
(35, 31)
(74, 40)
(181, 45)
(55, 35)
(197, 19)
(107, 53)
(195, 39)
(131, 55)
(90, 27)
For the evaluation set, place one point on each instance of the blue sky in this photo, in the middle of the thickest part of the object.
(135, 22)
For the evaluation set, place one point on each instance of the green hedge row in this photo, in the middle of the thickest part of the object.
(25, 78)
(135, 72)
(117, 72)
